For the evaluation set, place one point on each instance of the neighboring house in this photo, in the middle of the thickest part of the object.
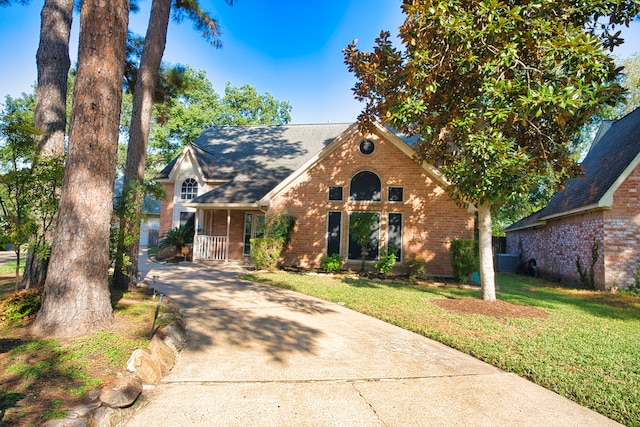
(230, 177)
(150, 222)
(601, 207)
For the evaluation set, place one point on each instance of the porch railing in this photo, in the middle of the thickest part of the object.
(210, 248)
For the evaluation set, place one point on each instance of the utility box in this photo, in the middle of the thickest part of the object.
(506, 263)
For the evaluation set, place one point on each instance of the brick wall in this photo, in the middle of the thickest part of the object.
(617, 232)
(556, 246)
(430, 218)
(622, 233)
(166, 208)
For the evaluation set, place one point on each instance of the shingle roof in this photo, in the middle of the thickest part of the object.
(609, 156)
(255, 158)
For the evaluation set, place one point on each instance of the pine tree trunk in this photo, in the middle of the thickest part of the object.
(53, 65)
(129, 233)
(50, 115)
(487, 274)
(76, 294)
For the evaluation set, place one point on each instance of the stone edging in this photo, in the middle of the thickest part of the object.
(112, 404)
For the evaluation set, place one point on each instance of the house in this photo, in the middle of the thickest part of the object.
(230, 177)
(599, 210)
(150, 222)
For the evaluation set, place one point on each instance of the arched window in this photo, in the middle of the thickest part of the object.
(365, 186)
(189, 189)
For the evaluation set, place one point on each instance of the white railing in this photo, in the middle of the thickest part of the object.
(210, 248)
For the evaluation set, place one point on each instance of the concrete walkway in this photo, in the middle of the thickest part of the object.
(263, 356)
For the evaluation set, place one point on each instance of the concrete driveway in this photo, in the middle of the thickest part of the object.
(263, 356)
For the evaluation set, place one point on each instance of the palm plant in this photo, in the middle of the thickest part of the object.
(177, 238)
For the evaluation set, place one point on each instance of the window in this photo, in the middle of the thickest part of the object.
(367, 147)
(188, 219)
(365, 186)
(335, 194)
(396, 194)
(371, 247)
(189, 189)
(394, 235)
(252, 228)
(334, 231)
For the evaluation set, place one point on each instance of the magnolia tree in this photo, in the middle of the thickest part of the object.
(494, 92)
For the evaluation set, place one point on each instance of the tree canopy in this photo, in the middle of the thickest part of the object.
(494, 92)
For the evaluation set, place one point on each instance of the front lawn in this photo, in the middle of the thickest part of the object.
(583, 345)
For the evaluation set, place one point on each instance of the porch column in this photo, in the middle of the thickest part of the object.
(226, 248)
(196, 248)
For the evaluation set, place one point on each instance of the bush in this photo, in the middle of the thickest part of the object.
(275, 232)
(464, 258)
(177, 238)
(19, 306)
(331, 263)
(386, 263)
(417, 268)
(265, 252)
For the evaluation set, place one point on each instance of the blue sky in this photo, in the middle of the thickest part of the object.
(291, 49)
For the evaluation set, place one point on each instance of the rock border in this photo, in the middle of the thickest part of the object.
(111, 404)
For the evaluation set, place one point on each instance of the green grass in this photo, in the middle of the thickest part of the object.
(9, 267)
(587, 348)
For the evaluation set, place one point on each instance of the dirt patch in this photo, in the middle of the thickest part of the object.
(498, 309)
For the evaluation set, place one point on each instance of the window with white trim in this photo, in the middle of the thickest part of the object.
(189, 189)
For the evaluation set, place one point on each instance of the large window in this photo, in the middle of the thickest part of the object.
(394, 235)
(371, 233)
(365, 186)
(189, 189)
(334, 232)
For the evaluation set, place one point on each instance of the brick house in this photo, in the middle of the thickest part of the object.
(230, 177)
(601, 207)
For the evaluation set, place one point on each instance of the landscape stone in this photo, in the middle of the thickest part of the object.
(145, 365)
(165, 356)
(121, 392)
(66, 422)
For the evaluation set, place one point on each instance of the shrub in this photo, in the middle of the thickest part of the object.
(177, 238)
(275, 232)
(19, 306)
(265, 252)
(587, 274)
(464, 258)
(417, 268)
(386, 263)
(331, 263)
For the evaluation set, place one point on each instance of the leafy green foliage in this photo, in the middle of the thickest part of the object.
(464, 258)
(331, 263)
(417, 268)
(276, 225)
(494, 92)
(265, 252)
(196, 106)
(587, 273)
(274, 232)
(361, 225)
(386, 262)
(19, 306)
(177, 238)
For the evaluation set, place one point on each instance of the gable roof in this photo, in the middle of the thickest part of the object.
(253, 159)
(613, 155)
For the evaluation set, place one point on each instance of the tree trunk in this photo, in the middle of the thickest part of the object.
(487, 274)
(76, 294)
(53, 64)
(50, 115)
(129, 233)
